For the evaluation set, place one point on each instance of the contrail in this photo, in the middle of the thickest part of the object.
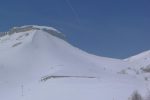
(74, 11)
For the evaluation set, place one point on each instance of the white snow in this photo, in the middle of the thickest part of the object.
(29, 55)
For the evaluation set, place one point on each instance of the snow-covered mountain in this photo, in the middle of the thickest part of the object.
(37, 63)
(141, 60)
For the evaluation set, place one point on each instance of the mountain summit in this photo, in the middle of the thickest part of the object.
(36, 63)
(49, 30)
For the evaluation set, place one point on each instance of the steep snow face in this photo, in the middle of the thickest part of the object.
(32, 45)
(36, 63)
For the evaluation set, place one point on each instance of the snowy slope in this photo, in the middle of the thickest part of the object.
(36, 63)
(140, 63)
(142, 59)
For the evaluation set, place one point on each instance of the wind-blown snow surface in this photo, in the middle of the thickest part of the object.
(37, 53)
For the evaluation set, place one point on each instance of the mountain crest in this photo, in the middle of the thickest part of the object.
(49, 30)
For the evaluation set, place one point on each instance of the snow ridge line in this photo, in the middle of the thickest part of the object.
(49, 30)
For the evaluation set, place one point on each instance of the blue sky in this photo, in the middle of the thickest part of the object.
(112, 28)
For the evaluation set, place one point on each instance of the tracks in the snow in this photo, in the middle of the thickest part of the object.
(45, 78)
